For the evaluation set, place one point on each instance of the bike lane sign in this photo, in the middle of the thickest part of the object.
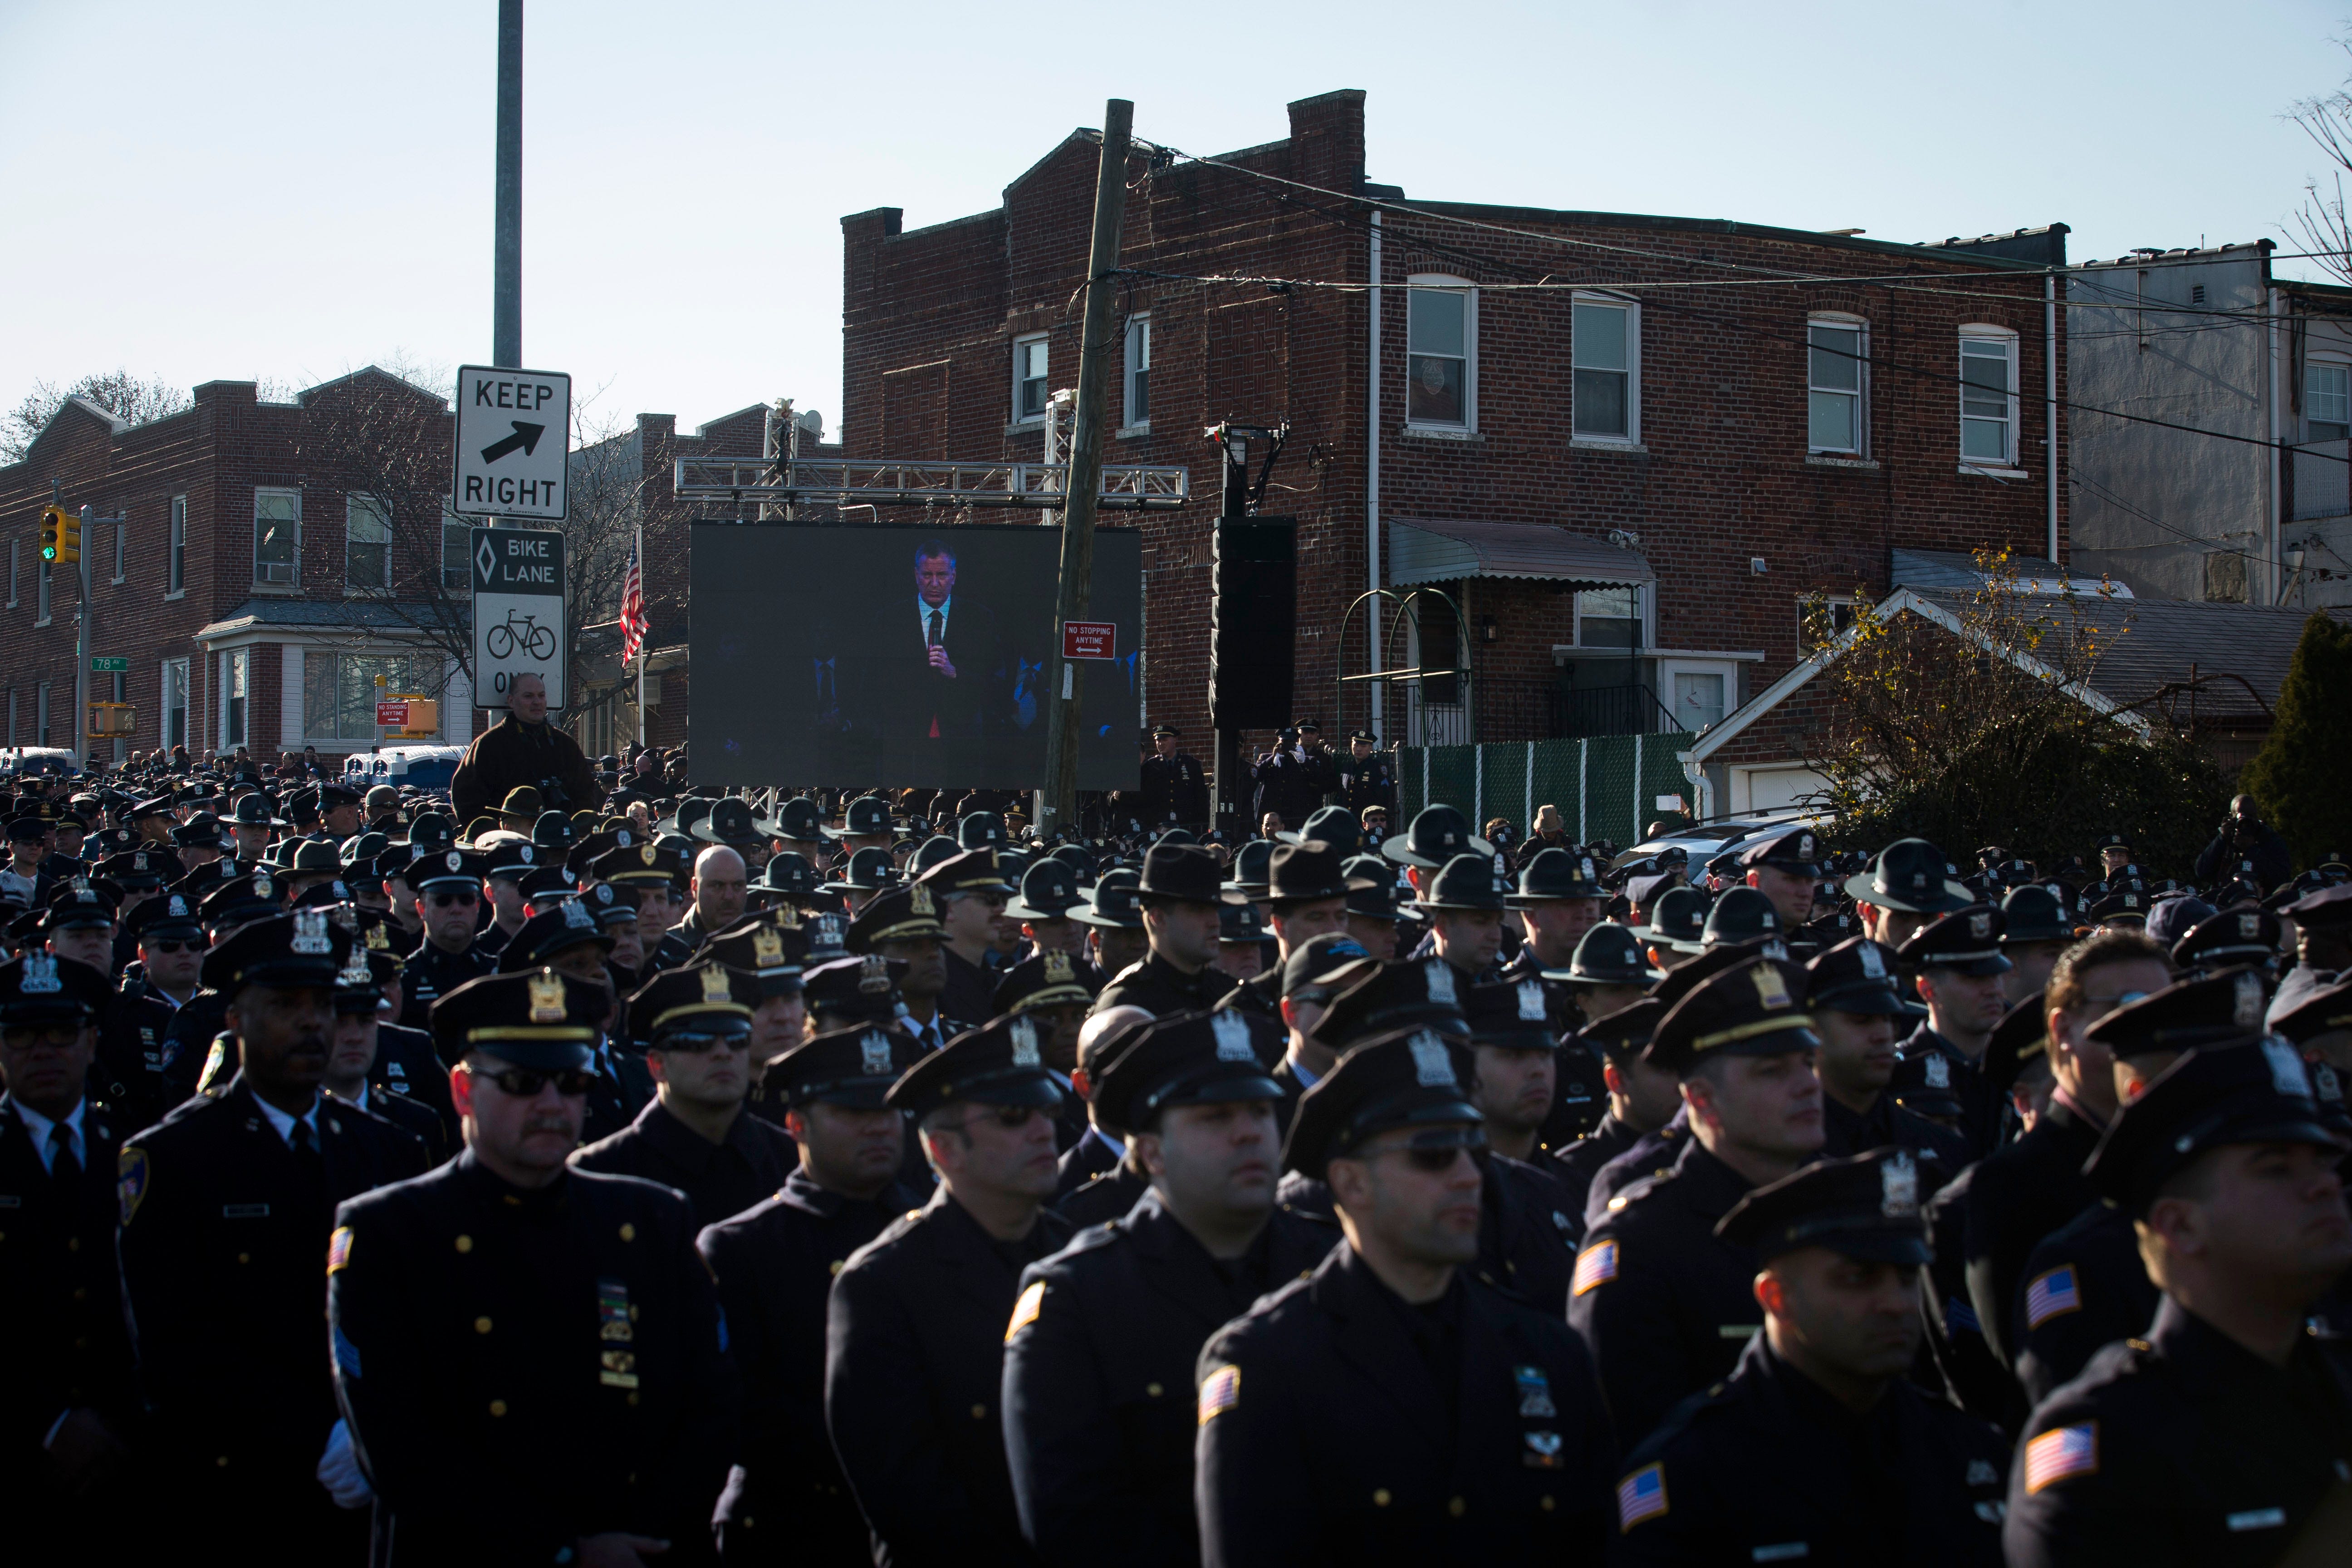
(518, 612)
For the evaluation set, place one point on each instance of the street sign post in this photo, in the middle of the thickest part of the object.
(518, 612)
(514, 435)
(103, 664)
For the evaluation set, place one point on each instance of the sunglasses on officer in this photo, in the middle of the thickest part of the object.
(1012, 1118)
(173, 944)
(694, 1042)
(525, 1083)
(1434, 1151)
(445, 897)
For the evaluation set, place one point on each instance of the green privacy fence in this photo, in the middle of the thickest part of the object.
(1606, 788)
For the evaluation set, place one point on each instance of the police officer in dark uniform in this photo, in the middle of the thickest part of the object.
(1098, 1421)
(914, 1329)
(2215, 1435)
(963, 887)
(1366, 778)
(361, 1006)
(1642, 1098)
(1663, 1302)
(68, 1406)
(1816, 1448)
(1180, 894)
(1390, 1407)
(448, 888)
(128, 1074)
(226, 1207)
(1959, 961)
(1174, 790)
(1851, 995)
(786, 1501)
(694, 1135)
(1559, 901)
(509, 1323)
(1288, 780)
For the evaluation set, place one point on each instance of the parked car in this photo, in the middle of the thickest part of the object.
(1704, 841)
(29, 762)
(426, 767)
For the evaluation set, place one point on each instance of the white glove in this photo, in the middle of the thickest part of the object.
(339, 1471)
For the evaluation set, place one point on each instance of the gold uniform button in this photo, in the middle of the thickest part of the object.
(1154, 1390)
(628, 1231)
(498, 1407)
(1544, 1502)
(465, 1244)
(980, 1412)
(837, 1263)
(481, 1325)
(1379, 1497)
(1455, 1506)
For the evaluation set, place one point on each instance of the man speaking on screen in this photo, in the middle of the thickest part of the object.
(958, 667)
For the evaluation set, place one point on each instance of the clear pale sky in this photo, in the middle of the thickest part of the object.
(233, 191)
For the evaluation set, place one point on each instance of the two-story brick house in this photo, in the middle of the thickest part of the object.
(270, 562)
(1626, 448)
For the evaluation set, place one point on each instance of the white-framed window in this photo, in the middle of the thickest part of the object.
(1611, 618)
(122, 548)
(367, 542)
(278, 538)
(1837, 417)
(457, 552)
(1605, 355)
(1988, 395)
(236, 678)
(1441, 350)
(175, 568)
(1029, 389)
(340, 690)
(1139, 371)
(2327, 400)
(1820, 620)
(1698, 693)
(175, 702)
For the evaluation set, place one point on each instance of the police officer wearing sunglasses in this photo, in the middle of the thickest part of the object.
(529, 1357)
(1391, 1407)
(448, 888)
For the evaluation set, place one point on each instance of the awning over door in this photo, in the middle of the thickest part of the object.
(1423, 549)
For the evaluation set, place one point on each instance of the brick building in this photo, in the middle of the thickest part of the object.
(1625, 447)
(270, 561)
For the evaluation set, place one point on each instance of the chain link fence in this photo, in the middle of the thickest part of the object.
(1605, 787)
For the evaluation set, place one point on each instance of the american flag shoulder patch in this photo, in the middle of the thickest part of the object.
(1026, 1311)
(1640, 1496)
(1595, 1265)
(2060, 1452)
(339, 1249)
(1220, 1391)
(2050, 1295)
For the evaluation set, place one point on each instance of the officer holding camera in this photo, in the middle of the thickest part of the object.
(2244, 837)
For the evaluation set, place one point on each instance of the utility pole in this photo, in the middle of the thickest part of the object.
(1068, 694)
(506, 282)
(85, 642)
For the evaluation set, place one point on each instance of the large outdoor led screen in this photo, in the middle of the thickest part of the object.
(891, 654)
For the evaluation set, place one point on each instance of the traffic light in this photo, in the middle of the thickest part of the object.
(60, 536)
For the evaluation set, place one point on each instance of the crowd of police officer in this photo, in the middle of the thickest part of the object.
(776, 1179)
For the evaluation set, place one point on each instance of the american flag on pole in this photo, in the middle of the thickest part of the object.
(633, 606)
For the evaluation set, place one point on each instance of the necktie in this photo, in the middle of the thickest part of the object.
(64, 1165)
(306, 1154)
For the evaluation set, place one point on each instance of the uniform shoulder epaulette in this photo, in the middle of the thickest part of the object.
(1634, 1192)
(1095, 1237)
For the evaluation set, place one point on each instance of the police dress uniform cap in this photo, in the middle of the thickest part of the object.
(1049, 979)
(867, 816)
(153, 806)
(1308, 870)
(80, 903)
(1186, 873)
(1049, 891)
(552, 830)
(1965, 941)
(867, 870)
(972, 871)
(1467, 883)
(729, 822)
(41, 988)
(1186, 1058)
(365, 846)
(864, 987)
(1240, 924)
(333, 794)
(26, 829)
(165, 914)
(523, 801)
(1081, 863)
(641, 864)
(1436, 835)
(1909, 874)
(442, 867)
(1554, 874)
(1624, 1033)
(142, 869)
(2107, 841)
(2318, 1008)
(901, 914)
(432, 830)
(358, 985)
(548, 884)
(699, 998)
(203, 827)
(256, 811)
(761, 947)
(1334, 826)
(799, 820)
(2125, 904)
(2203, 1010)
(788, 877)
(2033, 914)
(1372, 887)
(2022, 1034)
(323, 895)
(1739, 913)
(1170, 731)
(1118, 902)
(534, 1018)
(1512, 1013)
(1608, 954)
(301, 948)
(1755, 1009)
(315, 855)
(1315, 962)
(1371, 997)
(2173, 916)
(851, 1067)
(540, 938)
(1411, 1077)
(1677, 919)
(692, 809)
(584, 849)
(514, 858)
(1000, 1063)
(2329, 907)
(980, 830)
(612, 906)
(1870, 1207)
(1798, 851)
(930, 852)
(2214, 1096)
(1253, 875)
(1857, 975)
